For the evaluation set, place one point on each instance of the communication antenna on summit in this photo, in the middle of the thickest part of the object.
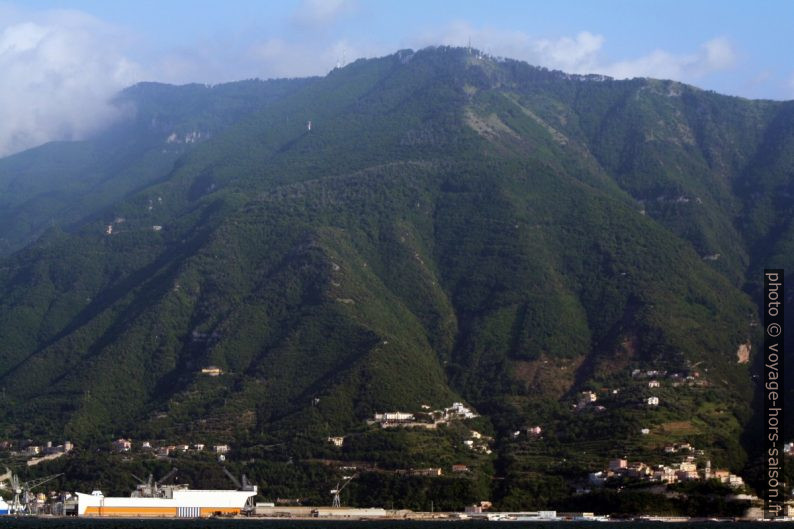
(468, 48)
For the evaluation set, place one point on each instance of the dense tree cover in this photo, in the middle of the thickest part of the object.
(451, 228)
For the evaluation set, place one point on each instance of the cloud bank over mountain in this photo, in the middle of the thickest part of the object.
(584, 53)
(60, 69)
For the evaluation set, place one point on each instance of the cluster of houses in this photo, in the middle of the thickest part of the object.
(653, 378)
(125, 445)
(685, 470)
(426, 419)
(478, 442)
(431, 419)
(36, 453)
(676, 379)
(588, 399)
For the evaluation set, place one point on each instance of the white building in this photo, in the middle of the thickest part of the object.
(461, 410)
(337, 440)
(394, 416)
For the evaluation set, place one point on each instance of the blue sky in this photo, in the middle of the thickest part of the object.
(61, 58)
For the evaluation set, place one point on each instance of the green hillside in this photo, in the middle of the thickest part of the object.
(63, 183)
(452, 228)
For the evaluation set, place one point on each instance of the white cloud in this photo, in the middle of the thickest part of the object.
(583, 53)
(315, 13)
(59, 69)
(714, 55)
(571, 54)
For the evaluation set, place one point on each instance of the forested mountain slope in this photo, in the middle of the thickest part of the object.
(453, 227)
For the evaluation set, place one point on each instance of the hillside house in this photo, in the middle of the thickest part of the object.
(687, 475)
(665, 474)
(427, 472)
(122, 445)
(460, 410)
(638, 470)
(337, 441)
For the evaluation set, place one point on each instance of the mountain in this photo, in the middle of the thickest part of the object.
(63, 183)
(451, 227)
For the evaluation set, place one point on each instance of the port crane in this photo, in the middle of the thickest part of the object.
(340, 486)
(243, 484)
(23, 495)
(150, 488)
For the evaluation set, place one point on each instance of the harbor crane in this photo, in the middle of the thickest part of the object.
(23, 495)
(243, 484)
(340, 486)
(151, 488)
